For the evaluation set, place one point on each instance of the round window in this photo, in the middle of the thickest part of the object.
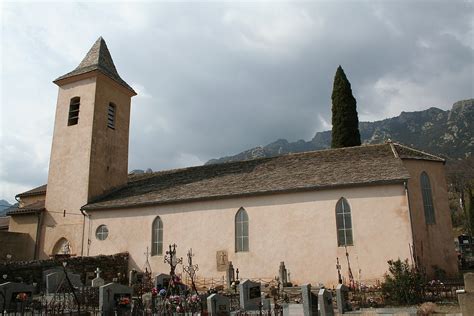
(102, 232)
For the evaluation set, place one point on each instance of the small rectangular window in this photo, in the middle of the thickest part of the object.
(73, 117)
(111, 116)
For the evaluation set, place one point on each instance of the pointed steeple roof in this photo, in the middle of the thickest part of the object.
(98, 58)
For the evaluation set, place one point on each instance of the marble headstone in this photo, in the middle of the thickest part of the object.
(325, 303)
(109, 296)
(250, 295)
(11, 290)
(218, 305)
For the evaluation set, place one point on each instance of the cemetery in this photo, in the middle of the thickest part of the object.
(63, 289)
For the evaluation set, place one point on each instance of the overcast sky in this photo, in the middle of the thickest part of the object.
(216, 78)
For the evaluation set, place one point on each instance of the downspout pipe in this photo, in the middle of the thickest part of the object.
(39, 215)
(83, 229)
(407, 194)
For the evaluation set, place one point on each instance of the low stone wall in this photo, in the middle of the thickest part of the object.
(19, 246)
(114, 266)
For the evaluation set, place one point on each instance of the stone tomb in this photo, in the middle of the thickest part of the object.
(250, 295)
(56, 280)
(310, 301)
(14, 294)
(342, 298)
(162, 281)
(112, 295)
(325, 303)
(218, 305)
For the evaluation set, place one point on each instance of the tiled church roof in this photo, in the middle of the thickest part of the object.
(371, 164)
(314, 170)
(28, 209)
(98, 58)
(36, 191)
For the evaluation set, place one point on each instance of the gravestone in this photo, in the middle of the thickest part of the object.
(111, 295)
(342, 298)
(310, 301)
(49, 271)
(266, 304)
(53, 281)
(466, 296)
(162, 281)
(250, 295)
(218, 305)
(97, 281)
(15, 294)
(325, 303)
(283, 275)
(230, 276)
(132, 277)
(56, 279)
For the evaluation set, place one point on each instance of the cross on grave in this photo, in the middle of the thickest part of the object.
(97, 272)
(147, 263)
(338, 267)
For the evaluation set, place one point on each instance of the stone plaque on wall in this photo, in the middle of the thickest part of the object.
(222, 260)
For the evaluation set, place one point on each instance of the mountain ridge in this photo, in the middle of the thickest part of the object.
(447, 133)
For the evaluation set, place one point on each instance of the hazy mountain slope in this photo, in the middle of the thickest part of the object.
(446, 133)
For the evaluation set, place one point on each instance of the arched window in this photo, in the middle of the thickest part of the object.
(427, 198)
(73, 117)
(343, 223)
(157, 237)
(241, 231)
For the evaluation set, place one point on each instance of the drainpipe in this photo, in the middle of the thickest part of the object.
(39, 215)
(83, 230)
(407, 195)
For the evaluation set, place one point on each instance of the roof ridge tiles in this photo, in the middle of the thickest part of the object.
(433, 157)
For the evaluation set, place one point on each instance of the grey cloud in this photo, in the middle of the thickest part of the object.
(219, 78)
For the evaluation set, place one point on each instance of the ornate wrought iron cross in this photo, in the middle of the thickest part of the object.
(171, 258)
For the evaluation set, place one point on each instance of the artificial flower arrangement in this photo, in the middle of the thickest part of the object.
(22, 297)
(124, 302)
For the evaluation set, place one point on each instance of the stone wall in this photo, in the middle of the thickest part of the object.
(32, 271)
(20, 246)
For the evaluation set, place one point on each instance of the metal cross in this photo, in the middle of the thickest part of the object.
(171, 259)
(338, 267)
(147, 263)
(191, 269)
(97, 272)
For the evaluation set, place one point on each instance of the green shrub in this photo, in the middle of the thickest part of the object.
(404, 284)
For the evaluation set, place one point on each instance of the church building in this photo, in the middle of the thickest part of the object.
(374, 202)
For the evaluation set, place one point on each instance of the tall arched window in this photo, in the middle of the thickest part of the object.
(343, 223)
(157, 237)
(427, 198)
(73, 117)
(241, 231)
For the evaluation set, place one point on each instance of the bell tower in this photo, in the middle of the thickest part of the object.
(89, 154)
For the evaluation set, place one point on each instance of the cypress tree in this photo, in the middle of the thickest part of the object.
(345, 123)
